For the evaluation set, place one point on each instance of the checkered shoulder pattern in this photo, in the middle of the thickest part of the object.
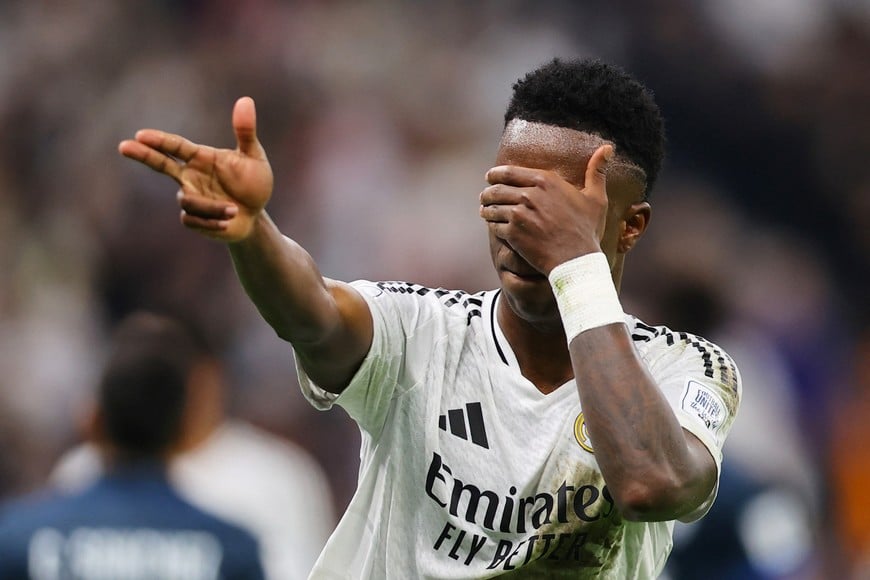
(717, 364)
(453, 299)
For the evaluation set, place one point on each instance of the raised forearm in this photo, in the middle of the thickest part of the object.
(284, 283)
(652, 470)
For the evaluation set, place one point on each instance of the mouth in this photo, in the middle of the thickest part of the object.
(525, 275)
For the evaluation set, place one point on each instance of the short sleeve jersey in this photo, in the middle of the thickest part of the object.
(469, 471)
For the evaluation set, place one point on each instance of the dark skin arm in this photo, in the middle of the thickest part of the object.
(654, 469)
(658, 470)
(223, 195)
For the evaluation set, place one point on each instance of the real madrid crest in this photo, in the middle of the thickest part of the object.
(581, 434)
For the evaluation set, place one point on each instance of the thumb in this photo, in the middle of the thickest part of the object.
(245, 127)
(596, 169)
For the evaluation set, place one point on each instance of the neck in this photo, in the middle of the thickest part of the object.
(204, 411)
(117, 460)
(541, 350)
(616, 265)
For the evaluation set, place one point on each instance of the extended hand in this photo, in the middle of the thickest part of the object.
(543, 217)
(222, 191)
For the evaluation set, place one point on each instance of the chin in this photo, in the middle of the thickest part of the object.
(532, 304)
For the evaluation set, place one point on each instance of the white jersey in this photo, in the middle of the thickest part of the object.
(469, 471)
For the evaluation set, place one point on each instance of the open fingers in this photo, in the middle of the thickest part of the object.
(168, 144)
(150, 157)
(499, 194)
(205, 208)
(596, 170)
(514, 175)
(201, 224)
(496, 213)
(245, 127)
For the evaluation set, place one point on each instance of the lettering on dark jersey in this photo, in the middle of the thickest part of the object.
(111, 554)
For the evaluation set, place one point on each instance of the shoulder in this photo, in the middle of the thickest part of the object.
(30, 512)
(457, 304)
(661, 346)
(77, 468)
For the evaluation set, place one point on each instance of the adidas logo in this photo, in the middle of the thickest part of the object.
(463, 422)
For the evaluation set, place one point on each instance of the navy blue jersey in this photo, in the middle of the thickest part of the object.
(130, 524)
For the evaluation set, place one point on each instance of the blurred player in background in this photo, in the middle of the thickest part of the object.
(130, 523)
(235, 470)
(535, 428)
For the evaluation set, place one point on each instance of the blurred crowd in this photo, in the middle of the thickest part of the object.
(380, 118)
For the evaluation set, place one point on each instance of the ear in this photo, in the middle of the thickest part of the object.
(634, 224)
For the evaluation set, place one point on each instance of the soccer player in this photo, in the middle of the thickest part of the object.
(534, 428)
(130, 523)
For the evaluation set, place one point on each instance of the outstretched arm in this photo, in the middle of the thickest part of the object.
(223, 195)
(654, 469)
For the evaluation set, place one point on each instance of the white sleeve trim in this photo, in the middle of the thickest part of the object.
(694, 426)
(320, 398)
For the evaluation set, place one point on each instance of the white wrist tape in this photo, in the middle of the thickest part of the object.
(585, 294)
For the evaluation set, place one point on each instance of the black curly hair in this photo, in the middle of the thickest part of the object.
(591, 96)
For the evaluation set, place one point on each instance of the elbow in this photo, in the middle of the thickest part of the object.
(637, 502)
(659, 497)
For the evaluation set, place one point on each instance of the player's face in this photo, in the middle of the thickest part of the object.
(565, 152)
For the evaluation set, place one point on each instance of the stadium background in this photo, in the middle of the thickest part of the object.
(380, 118)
